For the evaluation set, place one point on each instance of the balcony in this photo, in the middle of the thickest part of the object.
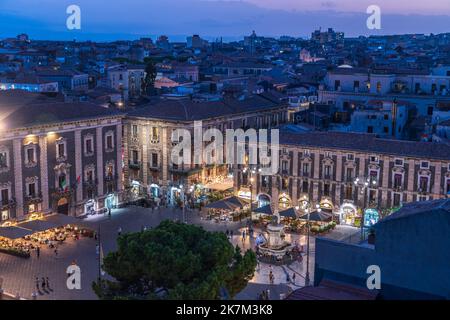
(397, 188)
(423, 191)
(90, 184)
(110, 177)
(184, 170)
(7, 204)
(154, 140)
(135, 165)
(33, 198)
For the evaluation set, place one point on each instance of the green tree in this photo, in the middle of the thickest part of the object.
(178, 260)
(148, 85)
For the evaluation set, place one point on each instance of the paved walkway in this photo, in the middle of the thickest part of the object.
(19, 274)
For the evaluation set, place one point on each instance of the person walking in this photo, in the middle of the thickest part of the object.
(37, 284)
(119, 231)
(56, 252)
(288, 279)
(38, 252)
(47, 283)
(293, 278)
(43, 283)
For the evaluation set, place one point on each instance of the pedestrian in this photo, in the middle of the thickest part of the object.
(268, 294)
(34, 295)
(56, 252)
(37, 284)
(293, 278)
(119, 231)
(43, 283)
(47, 283)
(38, 252)
(97, 249)
(287, 278)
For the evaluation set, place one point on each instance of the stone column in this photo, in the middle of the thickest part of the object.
(275, 193)
(145, 142)
(100, 165)
(79, 165)
(337, 198)
(44, 173)
(385, 183)
(165, 155)
(18, 180)
(119, 143)
(294, 195)
(126, 169)
(437, 181)
(361, 175)
(411, 177)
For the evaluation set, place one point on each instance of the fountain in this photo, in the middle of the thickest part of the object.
(275, 249)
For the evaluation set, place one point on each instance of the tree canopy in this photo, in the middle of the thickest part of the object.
(175, 261)
(150, 75)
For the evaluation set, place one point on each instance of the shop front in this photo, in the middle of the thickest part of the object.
(111, 201)
(90, 207)
(175, 194)
(371, 216)
(348, 213)
(284, 201)
(263, 200)
(154, 191)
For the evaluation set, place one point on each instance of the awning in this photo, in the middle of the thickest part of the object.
(267, 210)
(220, 186)
(60, 220)
(288, 213)
(37, 225)
(231, 203)
(317, 216)
(14, 232)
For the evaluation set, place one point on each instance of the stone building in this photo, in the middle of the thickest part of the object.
(148, 140)
(322, 168)
(57, 157)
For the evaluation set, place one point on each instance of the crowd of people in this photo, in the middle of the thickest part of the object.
(51, 238)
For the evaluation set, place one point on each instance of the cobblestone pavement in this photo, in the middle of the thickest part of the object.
(19, 274)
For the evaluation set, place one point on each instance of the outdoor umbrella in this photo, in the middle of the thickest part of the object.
(267, 210)
(231, 203)
(288, 213)
(317, 216)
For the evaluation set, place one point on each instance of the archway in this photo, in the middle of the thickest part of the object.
(63, 206)
(348, 212)
(263, 200)
(284, 201)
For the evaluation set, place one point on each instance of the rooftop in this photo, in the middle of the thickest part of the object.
(421, 207)
(367, 143)
(19, 109)
(189, 110)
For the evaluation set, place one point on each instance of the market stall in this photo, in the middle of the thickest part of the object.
(320, 221)
(225, 209)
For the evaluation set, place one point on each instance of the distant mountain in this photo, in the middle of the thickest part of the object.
(107, 20)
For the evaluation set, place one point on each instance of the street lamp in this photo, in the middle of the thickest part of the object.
(364, 183)
(183, 203)
(307, 280)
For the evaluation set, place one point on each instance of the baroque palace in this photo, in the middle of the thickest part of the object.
(76, 158)
(57, 157)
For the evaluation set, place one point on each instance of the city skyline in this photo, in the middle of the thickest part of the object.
(231, 20)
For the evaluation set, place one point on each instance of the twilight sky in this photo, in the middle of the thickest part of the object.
(125, 19)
